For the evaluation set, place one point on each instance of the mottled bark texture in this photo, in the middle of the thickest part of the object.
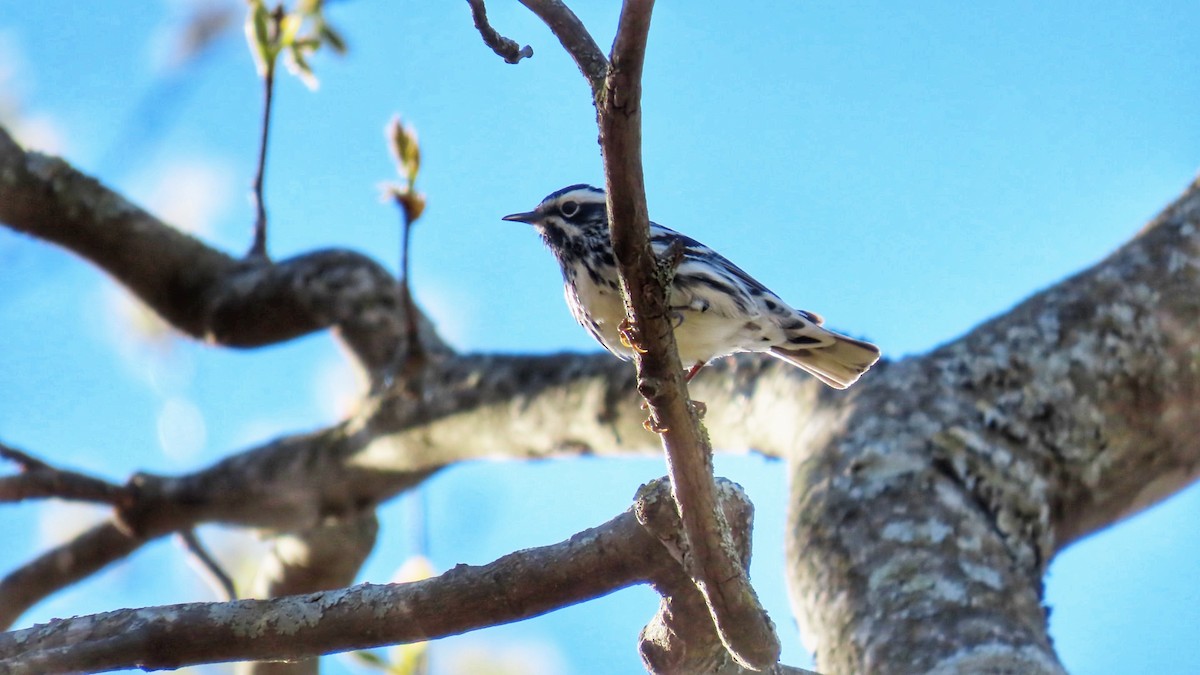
(634, 547)
(205, 293)
(926, 501)
(922, 523)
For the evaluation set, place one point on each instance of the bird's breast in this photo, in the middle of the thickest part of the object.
(594, 296)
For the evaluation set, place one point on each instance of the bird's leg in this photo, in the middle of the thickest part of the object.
(700, 407)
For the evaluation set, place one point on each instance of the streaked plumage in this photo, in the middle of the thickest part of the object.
(720, 309)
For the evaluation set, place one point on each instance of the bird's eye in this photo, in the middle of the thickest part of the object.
(568, 209)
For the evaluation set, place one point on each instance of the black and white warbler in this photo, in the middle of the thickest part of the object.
(718, 308)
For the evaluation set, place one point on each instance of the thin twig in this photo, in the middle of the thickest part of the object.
(509, 50)
(221, 582)
(27, 462)
(414, 352)
(41, 480)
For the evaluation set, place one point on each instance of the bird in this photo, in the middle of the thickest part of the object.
(717, 308)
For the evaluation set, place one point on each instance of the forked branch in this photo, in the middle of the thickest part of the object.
(740, 620)
(624, 551)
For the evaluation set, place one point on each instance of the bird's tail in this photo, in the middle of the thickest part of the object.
(838, 362)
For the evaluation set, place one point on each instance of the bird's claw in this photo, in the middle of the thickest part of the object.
(629, 337)
(654, 426)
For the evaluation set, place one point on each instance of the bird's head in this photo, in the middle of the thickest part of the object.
(569, 217)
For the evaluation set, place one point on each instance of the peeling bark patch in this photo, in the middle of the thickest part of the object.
(984, 575)
(908, 531)
(998, 658)
(243, 624)
(296, 617)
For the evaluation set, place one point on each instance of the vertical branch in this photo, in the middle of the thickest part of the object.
(710, 559)
(414, 351)
(263, 31)
(406, 151)
(742, 624)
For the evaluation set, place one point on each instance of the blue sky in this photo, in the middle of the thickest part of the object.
(905, 169)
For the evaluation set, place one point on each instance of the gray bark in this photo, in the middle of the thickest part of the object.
(925, 502)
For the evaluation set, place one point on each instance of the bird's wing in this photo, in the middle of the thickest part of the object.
(706, 281)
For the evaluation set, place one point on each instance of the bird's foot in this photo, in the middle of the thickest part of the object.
(629, 336)
(654, 426)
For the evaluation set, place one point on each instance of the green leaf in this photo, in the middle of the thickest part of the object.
(289, 28)
(297, 64)
(371, 659)
(332, 37)
(258, 36)
(406, 150)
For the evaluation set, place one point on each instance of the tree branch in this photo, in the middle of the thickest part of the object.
(519, 585)
(62, 566)
(471, 409)
(218, 579)
(616, 88)
(740, 619)
(198, 290)
(932, 512)
(574, 38)
(1064, 415)
(40, 480)
(682, 637)
(321, 558)
(509, 50)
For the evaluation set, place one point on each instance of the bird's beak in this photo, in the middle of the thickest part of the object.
(530, 217)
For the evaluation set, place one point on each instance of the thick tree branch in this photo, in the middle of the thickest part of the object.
(198, 290)
(520, 585)
(62, 566)
(932, 512)
(926, 500)
(321, 558)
